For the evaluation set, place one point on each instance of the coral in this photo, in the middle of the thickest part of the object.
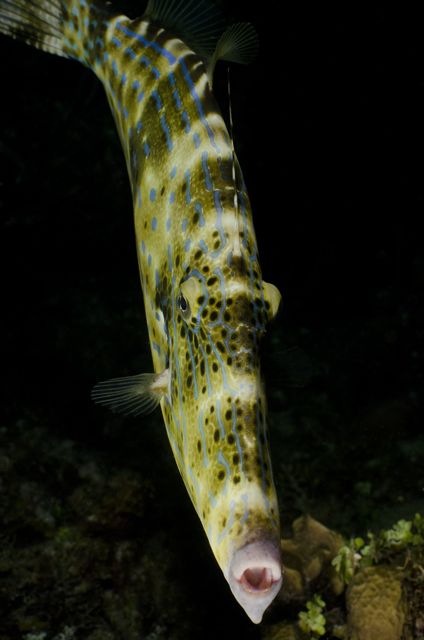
(376, 605)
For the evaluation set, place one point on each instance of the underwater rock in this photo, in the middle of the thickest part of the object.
(376, 605)
(307, 557)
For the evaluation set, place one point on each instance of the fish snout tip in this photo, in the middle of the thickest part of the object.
(255, 577)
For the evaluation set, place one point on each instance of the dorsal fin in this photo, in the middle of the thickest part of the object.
(239, 43)
(199, 23)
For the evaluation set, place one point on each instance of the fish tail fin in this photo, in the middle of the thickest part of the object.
(69, 28)
(37, 22)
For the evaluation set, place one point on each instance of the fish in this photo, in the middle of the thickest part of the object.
(206, 304)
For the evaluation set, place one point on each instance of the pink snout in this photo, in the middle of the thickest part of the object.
(255, 576)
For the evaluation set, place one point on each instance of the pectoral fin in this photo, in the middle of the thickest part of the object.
(132, 395)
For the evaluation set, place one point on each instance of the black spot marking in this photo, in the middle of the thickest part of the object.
(211, 281)
(213, 316)
(228, 414)
(162, 191)
(216, 435)
(199, 446)
(236, 479)
(221, 475)
(230, 439)
(214, 367)
(189, 380)
(236, 458)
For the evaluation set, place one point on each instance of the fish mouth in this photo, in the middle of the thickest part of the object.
(255, 576)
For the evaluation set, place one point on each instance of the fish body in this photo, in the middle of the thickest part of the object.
(205, 301)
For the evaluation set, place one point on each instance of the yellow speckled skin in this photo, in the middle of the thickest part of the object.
(206, 304)
(193, 242)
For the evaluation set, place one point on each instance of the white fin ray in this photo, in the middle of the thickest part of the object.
(239, 43)
(199, 23)
(132, 395)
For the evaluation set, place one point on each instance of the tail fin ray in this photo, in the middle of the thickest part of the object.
(36, 22)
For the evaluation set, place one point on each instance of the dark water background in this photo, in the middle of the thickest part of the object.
(329, 132)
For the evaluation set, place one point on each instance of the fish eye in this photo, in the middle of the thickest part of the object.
(183, 306)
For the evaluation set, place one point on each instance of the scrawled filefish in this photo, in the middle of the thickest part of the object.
(205, 301)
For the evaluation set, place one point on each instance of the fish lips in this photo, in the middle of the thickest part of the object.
(255, 576)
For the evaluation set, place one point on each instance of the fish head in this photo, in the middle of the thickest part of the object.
(216, 420)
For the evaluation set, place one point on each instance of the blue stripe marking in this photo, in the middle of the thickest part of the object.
(224, 462)
(217, 354)
(139, 126)
(154, 224)
(207, 373)
(177, 100)
(149, 260)
(145, 60)
(146, 149)
(203, 439)
(193, 370)
(152, 195)
(203, 246)
(116, 41)
(131, 53)
(198, 208)
(143, 246)
(136, 85)
(184, 224)
(188, 194)
(156, 97)
(167, 132)
(186, 120)
(168, 224)
(206, 172)
(115, 68)
(173, 172)
(156, 347)
(219, 418)
(172, 197)
(196, 140)
(187, 245)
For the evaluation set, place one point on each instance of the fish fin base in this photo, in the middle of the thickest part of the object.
(132, 395)
(199, 23)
